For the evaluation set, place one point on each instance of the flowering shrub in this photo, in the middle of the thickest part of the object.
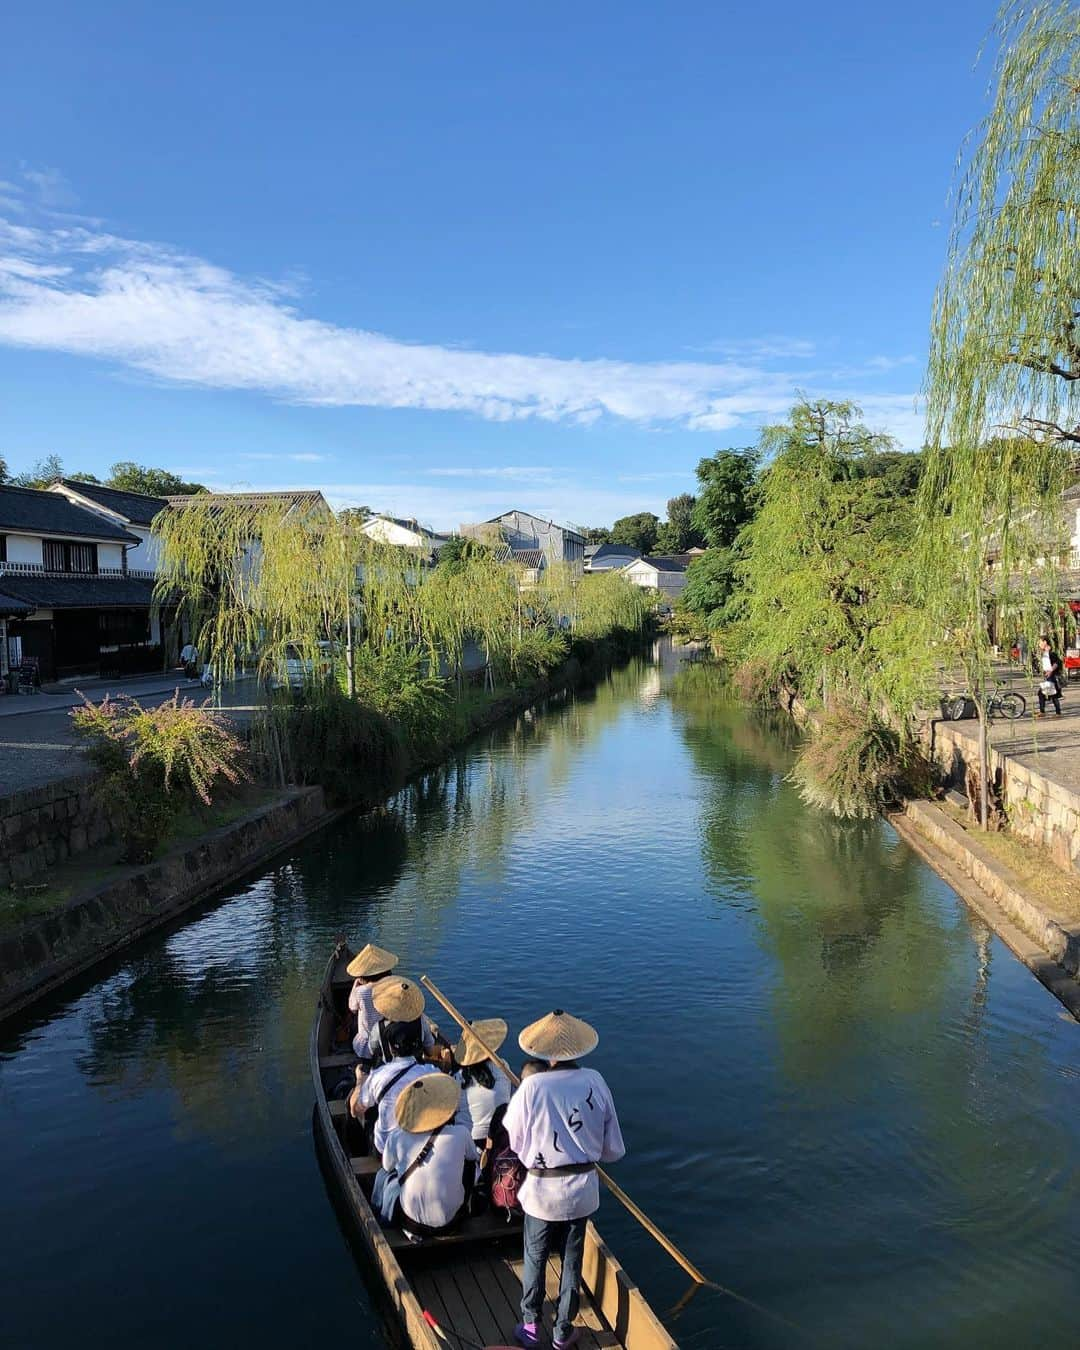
(156, 761)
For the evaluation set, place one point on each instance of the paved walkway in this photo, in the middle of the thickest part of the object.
(38, 745)
(1049, 745)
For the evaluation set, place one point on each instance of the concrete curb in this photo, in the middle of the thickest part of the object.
(1048, 943)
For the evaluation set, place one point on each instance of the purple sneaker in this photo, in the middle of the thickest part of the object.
(572, 1339)
(526, 1335)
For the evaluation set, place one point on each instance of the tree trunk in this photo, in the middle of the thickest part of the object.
(984, 761)
(350, 671)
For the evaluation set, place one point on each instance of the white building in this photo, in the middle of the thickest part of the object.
(664, 575)
(403, 533)
(524, 533)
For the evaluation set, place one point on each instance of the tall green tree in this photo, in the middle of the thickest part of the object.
(128, 476)
(726, 500)
(41, 473)
(1003, 382)
(826, 600)
(637, 531)
(678, 533)
(3, 470)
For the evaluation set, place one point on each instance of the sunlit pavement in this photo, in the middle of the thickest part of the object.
(1050, 745)
(37, 744)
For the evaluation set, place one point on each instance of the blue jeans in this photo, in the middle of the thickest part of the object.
(544, 1237)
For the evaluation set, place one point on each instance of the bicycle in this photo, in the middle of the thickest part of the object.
(1009, 704)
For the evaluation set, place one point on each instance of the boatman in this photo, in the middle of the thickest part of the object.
(367, 967)
(561, 1123)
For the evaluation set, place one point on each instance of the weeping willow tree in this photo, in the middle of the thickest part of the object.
(1003, 385)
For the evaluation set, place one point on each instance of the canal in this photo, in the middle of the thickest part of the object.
(841, 1093)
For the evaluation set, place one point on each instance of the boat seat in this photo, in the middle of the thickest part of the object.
(338, 1109)
(366, 1165)
(489, 1227)
(344, 1059)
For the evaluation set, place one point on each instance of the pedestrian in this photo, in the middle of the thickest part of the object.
(560, 1123)
(1050, 685)
(189, 659)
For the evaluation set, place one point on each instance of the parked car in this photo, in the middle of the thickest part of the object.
(301, 669)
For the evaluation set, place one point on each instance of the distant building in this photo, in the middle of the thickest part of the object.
(665, 575)
(133, 510)
(70, 604)
(521, 530)
(403, 533)
(609, 557)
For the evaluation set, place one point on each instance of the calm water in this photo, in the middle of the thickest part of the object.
(842, 1095)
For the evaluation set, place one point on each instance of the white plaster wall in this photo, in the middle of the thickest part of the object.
(24, 548)
(110, 555)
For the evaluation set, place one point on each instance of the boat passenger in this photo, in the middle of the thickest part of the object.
(484, 1086)
(393, 998)
(367, 967)
(560, 1123)
(399, 1034)
(428, 1160)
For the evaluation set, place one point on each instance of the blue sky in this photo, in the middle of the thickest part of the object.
(446, 259)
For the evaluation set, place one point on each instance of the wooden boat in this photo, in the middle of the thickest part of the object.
(470, 1281)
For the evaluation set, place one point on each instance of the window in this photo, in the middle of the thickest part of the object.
(120, 627)
(60, 556)
(3, 548)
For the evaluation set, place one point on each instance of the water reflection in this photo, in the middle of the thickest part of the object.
(866, 1118)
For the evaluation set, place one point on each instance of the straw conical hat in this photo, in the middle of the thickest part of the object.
(428, 1102)
(491, 1030)
(371, 960)
(558, 1037)
(397, 999)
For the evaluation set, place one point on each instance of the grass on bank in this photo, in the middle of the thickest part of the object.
(1030, 863)
(53, 889)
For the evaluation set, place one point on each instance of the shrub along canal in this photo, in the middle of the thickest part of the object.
(841, 1094)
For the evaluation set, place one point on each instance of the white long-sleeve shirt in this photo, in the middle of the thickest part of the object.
(376, 1089)
(435, 1191)
(479, 1103)
(556, 1118)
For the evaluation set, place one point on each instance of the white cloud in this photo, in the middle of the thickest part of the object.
(522, 473)
(153, 309)
(304, 457)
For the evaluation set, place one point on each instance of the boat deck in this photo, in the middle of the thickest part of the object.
(479, 1296)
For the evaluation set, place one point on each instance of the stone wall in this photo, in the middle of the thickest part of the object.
(43, 952)
(45, 825)
(1038, 809)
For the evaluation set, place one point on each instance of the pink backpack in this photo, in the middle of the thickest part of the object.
(507, 1174)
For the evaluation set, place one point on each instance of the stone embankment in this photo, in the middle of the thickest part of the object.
(47, 825)
(45, 951)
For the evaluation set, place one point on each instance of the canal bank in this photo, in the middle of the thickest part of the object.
(845, 1098)
(120, 904)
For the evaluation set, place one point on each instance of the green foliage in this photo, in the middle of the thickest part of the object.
(711, 580)
(596, 534)
(127, 476)
(727, 498)
(349, 749)
(41, 473)
(157, 761)
(397, 684)
(900, 471)
(854, 766)
(354, 515)
(458, 548)
(678, 533)
(537, 653)
(638, 531)
(3, 470)
(827, 600)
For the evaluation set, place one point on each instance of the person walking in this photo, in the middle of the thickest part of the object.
(1050, 685)
(561, 1122)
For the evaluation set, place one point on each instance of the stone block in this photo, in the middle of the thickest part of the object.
(77, 839)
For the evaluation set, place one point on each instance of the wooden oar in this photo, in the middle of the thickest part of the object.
(617, 1190)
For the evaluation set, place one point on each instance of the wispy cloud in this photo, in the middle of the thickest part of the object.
(522, 473)
(153, 309)
(303, 457)
(761, 349)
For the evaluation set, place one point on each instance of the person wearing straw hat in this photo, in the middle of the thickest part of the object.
(367, 967)
(427, 1160)
(560, 1123)
(398, 1040)
(484, 1086)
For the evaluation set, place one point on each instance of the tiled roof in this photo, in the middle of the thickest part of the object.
(528, 557)
(77, 592)
(253, 499)
(33, 511)
(10, 608)
(134, 506)
(663, 564)
(615, 551)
